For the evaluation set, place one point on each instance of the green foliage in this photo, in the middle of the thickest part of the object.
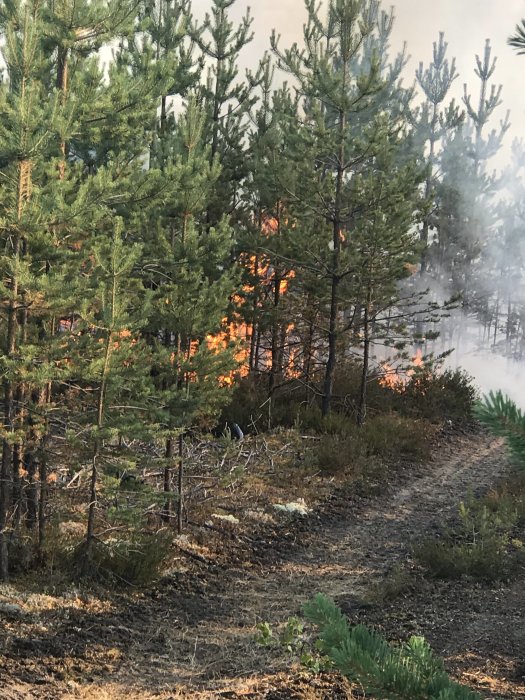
(293, 639)
(130, 562)
(481, 546)
(383, 670)
(504, 418)
(398, 582)
(392, 437)
(436, 395)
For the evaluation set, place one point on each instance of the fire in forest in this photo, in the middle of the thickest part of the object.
(396, 379)
(267, 286)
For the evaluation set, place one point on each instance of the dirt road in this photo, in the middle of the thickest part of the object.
(192, 636)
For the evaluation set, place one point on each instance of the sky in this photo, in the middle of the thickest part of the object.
(466, 23)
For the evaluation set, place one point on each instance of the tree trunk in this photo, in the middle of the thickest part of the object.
(180, 485)
(62, 82)
(361, 411)
(42, 508)
(169, 451)
(31, 466)
(5, 482)
(276, 349)
(90, 531)
(328, 385)
(6, 476)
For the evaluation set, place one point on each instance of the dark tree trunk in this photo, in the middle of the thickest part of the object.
(42, 503)
(328, 386)
(361, 411)
(180, 485)
(168, 454)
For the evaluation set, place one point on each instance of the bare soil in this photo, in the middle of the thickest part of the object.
(192, 634)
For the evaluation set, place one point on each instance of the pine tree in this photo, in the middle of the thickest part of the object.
(106, 352)
(501, 415)
(28, 119)
(327, 76)
(268, 276)
(187, 267)
(384, 248)
(383, 670)
(432, 123)
(468, 216)
(81, 136)
(353, 107)
(226, 102)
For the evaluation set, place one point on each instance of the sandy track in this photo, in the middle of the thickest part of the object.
(341, 557)
(179, 646)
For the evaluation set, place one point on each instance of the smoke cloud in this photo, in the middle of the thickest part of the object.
(467, 25)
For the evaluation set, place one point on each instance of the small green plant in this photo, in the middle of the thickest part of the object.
(398, 582)
(480, 546)
(383, 670)
(293, 640)
(264, 635)
(135, 561)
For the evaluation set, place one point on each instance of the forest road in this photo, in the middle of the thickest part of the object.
(343, 557)
(199, 643)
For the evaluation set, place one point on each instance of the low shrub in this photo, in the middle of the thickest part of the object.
(509, 496)
(310, 419)
(383, 439)
(481, 546)
(393, 437)
(436, 395)
(334, 454)
(135, 561)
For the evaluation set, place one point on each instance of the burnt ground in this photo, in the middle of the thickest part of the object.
(192, 634)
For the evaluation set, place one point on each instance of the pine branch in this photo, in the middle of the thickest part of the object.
(383, 670)
(505, 419)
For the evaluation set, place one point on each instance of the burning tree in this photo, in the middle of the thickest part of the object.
(349, 238)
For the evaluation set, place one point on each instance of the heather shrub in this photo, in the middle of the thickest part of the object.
(310, 419)
(393, 437)
(435, 395)
(340, 453)
(133, 561)
(481, 546)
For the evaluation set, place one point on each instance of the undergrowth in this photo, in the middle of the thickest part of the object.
(130, 562)
(486, 543)
(431, 395)
(384, 439)
(382, 670)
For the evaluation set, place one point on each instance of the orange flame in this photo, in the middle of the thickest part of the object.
(397, 381)
(265, 278)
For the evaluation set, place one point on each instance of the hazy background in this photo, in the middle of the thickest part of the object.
(466, 23)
